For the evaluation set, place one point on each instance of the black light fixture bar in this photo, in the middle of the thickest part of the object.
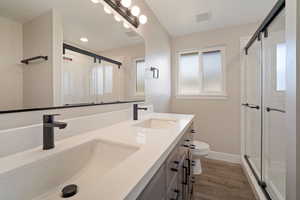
(123, 11)
(88, 53)
(26, 61)
(279, 6)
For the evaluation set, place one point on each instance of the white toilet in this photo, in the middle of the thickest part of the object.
(201, 149)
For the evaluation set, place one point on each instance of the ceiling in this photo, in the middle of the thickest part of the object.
(179, 17)
(81, 18)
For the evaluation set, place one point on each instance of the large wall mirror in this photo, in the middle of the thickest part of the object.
(66, 53)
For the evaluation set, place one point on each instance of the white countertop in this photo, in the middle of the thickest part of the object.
(127, 179)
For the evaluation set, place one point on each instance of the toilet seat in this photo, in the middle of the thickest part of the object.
(201, 148)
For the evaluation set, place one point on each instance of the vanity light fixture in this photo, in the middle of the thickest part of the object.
(126, 3)
(84, 39)
(117, 18)
(122, 7)
(126, 25)
(143, 19)
(95, 1)
(135, 11)
(107, 10)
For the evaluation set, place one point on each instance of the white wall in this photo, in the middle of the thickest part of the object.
(57, 51)
(217, 121)
(11, 71)
(158, 54)
(293, 99)
(127, 72)
(38, 41)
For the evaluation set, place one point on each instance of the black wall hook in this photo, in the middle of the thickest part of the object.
(155, 72)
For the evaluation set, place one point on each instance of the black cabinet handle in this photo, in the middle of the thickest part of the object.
(185, 181)
(174, 170)
(177, 195)
(193, 131)
(189, 166)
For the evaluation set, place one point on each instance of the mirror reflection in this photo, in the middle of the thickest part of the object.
(62, 53)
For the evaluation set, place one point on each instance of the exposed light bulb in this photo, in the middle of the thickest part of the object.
(143, 19)
(84, 39)
(135, 11)
(126, 3)
(95, 1)
(107, 10)
(126, 25)
(117, 18)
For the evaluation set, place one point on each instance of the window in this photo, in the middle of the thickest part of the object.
(201, 73)
(102, 79)
(280, 66)
(140, 76)
(108, 78)
(189, 73)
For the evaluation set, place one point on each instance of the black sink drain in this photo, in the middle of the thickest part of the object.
(69, 191)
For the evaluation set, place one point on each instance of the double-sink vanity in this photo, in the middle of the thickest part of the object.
(62, 62)
(145, 159)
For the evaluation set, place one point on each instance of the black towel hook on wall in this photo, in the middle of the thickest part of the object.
(26, 61)
(155, 72)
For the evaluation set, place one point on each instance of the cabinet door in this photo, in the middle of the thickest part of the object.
(172, 166)
(157, 188)
(174, 192)
(190, 174)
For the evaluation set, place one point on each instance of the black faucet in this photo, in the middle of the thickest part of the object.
(135, 111)
(48, 130)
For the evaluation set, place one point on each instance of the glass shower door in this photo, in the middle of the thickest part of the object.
(253, 120)
(274, 142)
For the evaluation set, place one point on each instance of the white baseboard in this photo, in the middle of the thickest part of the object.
(232, 158)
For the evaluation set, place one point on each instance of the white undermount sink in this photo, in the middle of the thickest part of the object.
(157, 123)
(84, 165)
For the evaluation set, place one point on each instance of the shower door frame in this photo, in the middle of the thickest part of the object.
(261, 32)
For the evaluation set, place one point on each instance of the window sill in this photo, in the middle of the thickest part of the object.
(139, 94)
(204, 96)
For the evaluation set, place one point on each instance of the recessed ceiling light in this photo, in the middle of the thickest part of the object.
(95, 1)
(84, 39)
(135, 11)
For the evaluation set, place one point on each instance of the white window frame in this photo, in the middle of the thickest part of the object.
(202, 95)
(137, 94)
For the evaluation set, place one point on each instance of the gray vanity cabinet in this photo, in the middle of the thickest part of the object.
(157, 188)
(174, 179)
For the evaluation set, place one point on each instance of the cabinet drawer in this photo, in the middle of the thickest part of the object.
(172, 166)
(183, 146)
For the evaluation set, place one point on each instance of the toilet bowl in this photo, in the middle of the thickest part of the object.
(201, 149)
